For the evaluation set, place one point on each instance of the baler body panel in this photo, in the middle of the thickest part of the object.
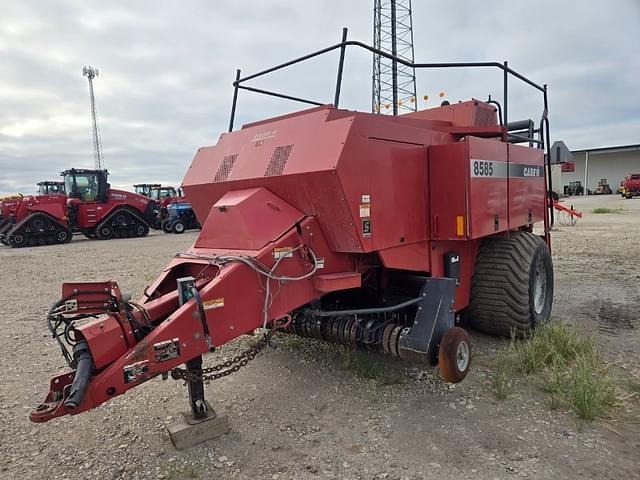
(294, 157)
(526, 185)
(487, 189)
(491, 187)
(352, 172)
(247, 220)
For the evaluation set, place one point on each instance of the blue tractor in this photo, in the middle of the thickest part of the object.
(179, 217)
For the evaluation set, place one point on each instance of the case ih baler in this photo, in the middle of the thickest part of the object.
(361, 229)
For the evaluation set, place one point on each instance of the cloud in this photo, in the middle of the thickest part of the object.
(166, 69)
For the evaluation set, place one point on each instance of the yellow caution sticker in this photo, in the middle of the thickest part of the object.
(460, 225)
(282, 252)
(215, 303)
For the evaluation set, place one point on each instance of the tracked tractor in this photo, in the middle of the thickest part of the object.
(371, 231)
(49, 187)
(8, 205)
(50, 197)
(90, 207)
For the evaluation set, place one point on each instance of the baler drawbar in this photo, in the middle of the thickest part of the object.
(372, 231)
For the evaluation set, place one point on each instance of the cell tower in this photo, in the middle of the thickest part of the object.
(394, 84)
(98, 156)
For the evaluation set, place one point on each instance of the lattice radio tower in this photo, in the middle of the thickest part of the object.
(394, 84)
(91, 73)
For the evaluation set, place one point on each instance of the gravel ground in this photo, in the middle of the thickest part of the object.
(296, 413)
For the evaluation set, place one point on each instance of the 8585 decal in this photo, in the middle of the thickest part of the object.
(482, 168)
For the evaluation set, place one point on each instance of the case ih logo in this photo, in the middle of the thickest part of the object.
(119, 196)
(481, 168)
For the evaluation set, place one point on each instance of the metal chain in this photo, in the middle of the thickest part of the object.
(223, 369)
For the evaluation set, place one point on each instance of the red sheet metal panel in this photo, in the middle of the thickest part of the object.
(247, 220)
(526, 186)
(448, 165)
(487, 197)
(468, 189)
(385, 182)
(294, 157)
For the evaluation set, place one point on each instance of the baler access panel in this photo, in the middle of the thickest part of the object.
(479, 187)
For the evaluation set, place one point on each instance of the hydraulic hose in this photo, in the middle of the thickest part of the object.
(84, 370)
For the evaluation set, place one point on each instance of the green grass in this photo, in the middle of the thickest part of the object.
(606, 210)
(371, 367)
(591, 392)
(565, 364)
(501, 380)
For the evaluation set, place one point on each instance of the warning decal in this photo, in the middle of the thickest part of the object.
(282, 252)
(365, 210)
(215, 303)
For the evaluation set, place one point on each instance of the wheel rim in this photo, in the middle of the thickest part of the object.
(540, 287)
(105, 231)
(179, 227)
(18, 239)
(140, 230)
(462, 356)
(62, 236)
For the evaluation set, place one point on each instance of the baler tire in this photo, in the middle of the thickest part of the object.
(454, 355)
(512, 285)
(179, 227)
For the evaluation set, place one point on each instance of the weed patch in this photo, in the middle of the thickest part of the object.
(565, 364)
(606, 210)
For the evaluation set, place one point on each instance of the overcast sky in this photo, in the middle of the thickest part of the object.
(166, 69)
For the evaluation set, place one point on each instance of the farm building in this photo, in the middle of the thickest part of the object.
(612, 163)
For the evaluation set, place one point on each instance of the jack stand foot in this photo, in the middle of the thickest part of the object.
(187, 431)
(202, 423)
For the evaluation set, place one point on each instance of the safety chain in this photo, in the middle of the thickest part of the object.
(223, 369)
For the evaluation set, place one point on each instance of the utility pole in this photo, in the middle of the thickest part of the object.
(394, 84)
(98, 156)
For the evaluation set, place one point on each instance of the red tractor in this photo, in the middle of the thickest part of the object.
(162, 195)
(631, 185)
(90, 206)
(372, 231)
(8, 207)
(49, 187)
(12, 207)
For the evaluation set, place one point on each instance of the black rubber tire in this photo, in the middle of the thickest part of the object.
(503, 286)
(179, 227)
(18, 240)
(167, 226)
(454, 344)
(63, 235)
(104, 232)
(142, 230)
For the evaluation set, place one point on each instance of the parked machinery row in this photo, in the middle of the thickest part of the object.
(84, 202)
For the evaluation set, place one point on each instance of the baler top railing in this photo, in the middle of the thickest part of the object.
(508, 71)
